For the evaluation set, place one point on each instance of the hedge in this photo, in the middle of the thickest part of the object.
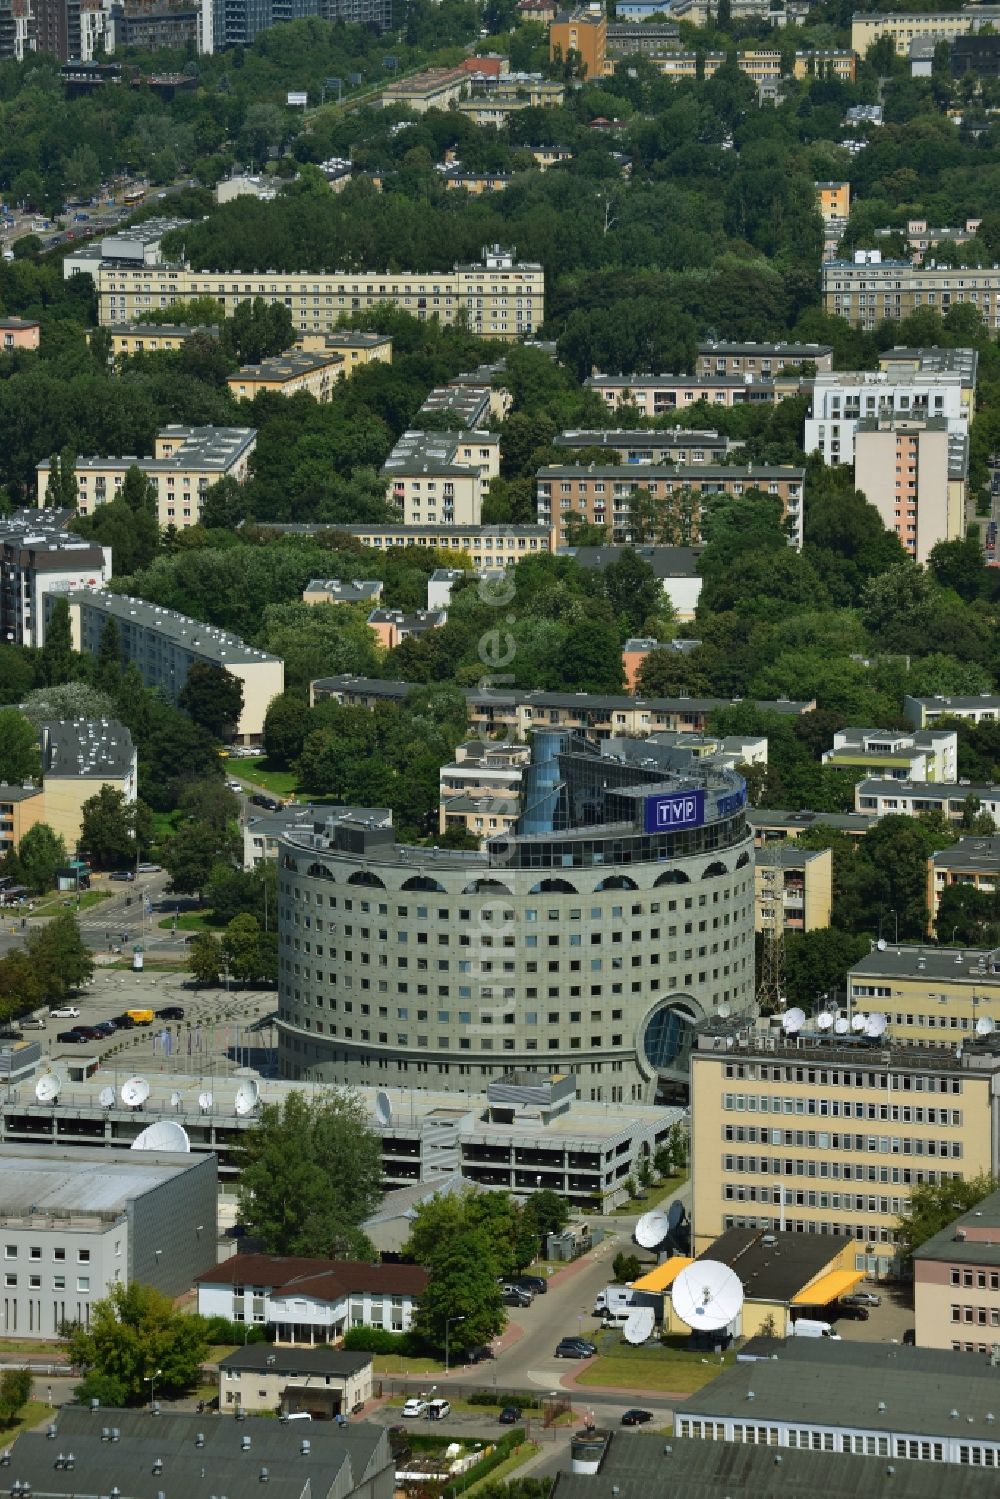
(377, 1340)
(525, 1399)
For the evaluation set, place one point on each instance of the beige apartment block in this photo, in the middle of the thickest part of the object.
(971, 861)
(761, 360)
(164, 645)
(833, 199)
(956, 1282)
(826, 62)
(155, 338)
(811, 1136)
(914, 473)
(512, 94)
(19, 333)
(318, 1381)
(185, 462)
(793, 889)
(867, 290)
(655, 395)
(500, 297)
(694, 65)
(288, 374)
(435, 88)
(80, 757)
(481, 789)
(441, 478)
(907, 26)
(355, 349)
(20, 808)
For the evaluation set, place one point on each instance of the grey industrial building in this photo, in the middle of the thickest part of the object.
(874, 1400)
(76, 1223)
(136, 1454)
(590, 941)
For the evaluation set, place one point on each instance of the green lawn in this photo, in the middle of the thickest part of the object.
(33, 1413)
(655, 1192)
(187, 921)
(51, 905)
(398, 1363)
(259, 773)
(668, 1368)
(41, 1348)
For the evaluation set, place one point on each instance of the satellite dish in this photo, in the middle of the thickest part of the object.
(860, 1022)
(640, 1324)
(881, 944)
(165, 1134)
(824, 1020)
(383, 1108)
(707, 1295)
(135, 1091)
(841, 1025)
(175, 1099)
(984, 1027)
(876, 1026)
(651, 1229)
(792, 1021)
(675, 1216)
(247, 1097)
(205, 1101)
(106, 1098)
(48, 1086)
(724, 1011)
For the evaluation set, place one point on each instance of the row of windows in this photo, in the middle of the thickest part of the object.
(897, 1114)
(870, 1235)
(980, 1278)
(836, 1078)
(10, 1252)
(807, 1439)
(985, 1316)
(832, 1202)
(58, 1282)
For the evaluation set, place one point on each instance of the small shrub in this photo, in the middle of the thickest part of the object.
(378, 1340)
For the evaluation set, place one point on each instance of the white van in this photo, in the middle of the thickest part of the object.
(805, 1327)
(612, 1298)
(616, 1316)
(296, 1416)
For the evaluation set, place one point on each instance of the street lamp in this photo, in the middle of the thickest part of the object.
(447, 1330)
(151, 1379)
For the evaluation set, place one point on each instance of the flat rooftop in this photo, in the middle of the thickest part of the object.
(970, 854)
(200, 639)
(973, 1237)
(969, 964)
(81, 1183)
(844, 1384)
(775, 1266)
(98, 747)
(284, 367)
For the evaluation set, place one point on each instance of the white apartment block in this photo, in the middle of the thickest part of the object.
(884, 797)
(926, 755)
(842, 400)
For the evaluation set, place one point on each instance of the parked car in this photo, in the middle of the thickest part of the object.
(122, 874)
(70, 1038)
(636, 1417)
(861, 1298)
(105, 1027)
(438, 1409)
(89, 1033)
(512, 1297)
(124, 1023)
(171, 1012)
(852, 1312)
(149, 868)
(536, 1284)
(415, 1406)
(7, 1033)
(65, 1012)
(510, 1415)
(575, 1348)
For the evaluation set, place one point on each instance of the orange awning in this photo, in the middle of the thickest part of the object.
(828, 1288)
(663, 1276)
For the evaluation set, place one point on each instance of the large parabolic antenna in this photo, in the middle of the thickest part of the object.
(707, 1296)
(247, 1097)
(165, 1134)
(106, 1098)
(205, 1101)
(135, 1091)
(877, 1024)
(792, 1021)
(651, 1229)
(383, 1108)
(824, 1020)
(640, 1324)
(48, 1086)
(841, 1025)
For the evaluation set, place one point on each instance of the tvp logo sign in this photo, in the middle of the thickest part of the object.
(681, 809)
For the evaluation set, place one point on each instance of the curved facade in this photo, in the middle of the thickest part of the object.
(588, 948)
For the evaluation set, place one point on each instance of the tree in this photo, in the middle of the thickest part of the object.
(934, 1205)
(19, 759)
(625, 1267)
(192, 853)
(135, 1332)
(311, 1173)
(57, 660)
(108, 666)
(547, 1211)
(462, 1291)
(67, 700)
(243, 949)
(40, 853)
(590, 660)
(61, 957)
(633, 590)
(205, 958)
(109, 826)
(816, 962)
(213, 698)
(961, 565)
(15, 1392)
(61, 489)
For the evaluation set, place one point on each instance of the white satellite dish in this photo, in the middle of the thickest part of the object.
(247, 1097)
(175, 1099)
(165, 1134)
(860, 1022)
(640, 1324)
(205, 1101)
(876, 1025)
(881, 944)
(383, 1108)
(707, 1296)
(792, 1021)
(824, 1020)
(651, 1229)
(48, 1086)
(984, 1027)
(841, 1025)
(106, 1098)
(135, 1091)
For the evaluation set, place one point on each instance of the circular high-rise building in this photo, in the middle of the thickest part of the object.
(591, 941)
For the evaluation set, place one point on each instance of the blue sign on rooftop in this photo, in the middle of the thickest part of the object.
(678, 809)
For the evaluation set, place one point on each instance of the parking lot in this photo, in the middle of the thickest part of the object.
(886, 1323)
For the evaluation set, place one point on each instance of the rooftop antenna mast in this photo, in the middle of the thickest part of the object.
(771, 993)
